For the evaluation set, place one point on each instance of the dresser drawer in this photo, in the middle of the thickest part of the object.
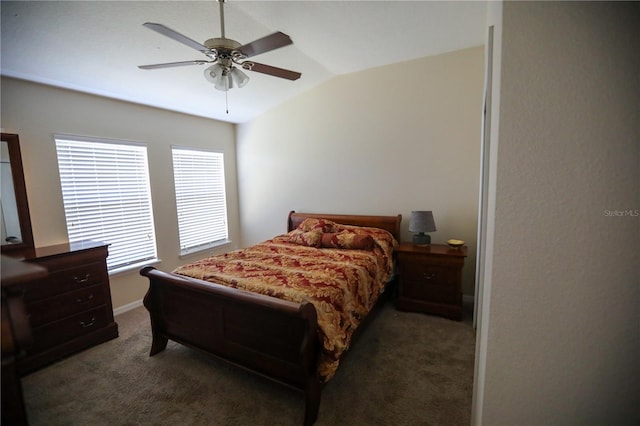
(60, 281)
(65, 304)
(54, 333)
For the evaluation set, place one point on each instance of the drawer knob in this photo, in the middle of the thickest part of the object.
(88, 324)
(87, 300)
(82, 280)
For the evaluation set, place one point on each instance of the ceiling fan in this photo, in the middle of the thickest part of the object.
(226, 55)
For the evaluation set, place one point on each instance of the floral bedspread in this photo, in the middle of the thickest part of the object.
(343, 284)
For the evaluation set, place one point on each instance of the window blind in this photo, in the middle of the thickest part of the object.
(106, 194)
(200, 198)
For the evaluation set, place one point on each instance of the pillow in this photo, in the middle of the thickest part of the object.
(346, 240)
(313, 224)
(310, 238)
(380, 236)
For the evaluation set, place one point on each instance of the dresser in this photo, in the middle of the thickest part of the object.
(70, 309)
(430, 279)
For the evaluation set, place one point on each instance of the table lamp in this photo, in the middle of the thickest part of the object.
(421, 222)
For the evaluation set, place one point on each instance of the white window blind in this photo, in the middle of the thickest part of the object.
(106, 193)
(200, 198)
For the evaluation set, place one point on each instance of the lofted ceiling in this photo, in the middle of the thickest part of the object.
(96, 46)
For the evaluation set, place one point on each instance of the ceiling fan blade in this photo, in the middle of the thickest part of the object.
(173, 64)
(166, 31)
(268, 69)
(265, 44)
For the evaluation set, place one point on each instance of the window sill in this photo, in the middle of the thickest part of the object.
(199, 250)
(133, 267)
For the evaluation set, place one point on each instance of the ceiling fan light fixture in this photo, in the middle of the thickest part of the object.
(224, 78)
(213, 73)
(224, 82)
(239, 78)
(217, 75)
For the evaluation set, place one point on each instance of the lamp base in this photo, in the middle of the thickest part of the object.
(422, 239)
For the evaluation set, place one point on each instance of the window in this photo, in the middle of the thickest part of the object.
(200, 198)
(105, 189)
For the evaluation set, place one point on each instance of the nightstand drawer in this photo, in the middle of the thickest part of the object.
(421, 290)
(428, 274)
(425, 290)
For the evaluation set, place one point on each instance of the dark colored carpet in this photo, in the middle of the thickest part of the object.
(406, 369)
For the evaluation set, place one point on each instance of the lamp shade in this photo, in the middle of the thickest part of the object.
(422, 221)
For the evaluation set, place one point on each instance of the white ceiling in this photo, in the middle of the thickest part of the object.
(96, 46)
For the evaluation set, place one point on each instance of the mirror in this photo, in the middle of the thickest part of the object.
(15, 220)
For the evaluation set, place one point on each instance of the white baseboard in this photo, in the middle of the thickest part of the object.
(127, 307)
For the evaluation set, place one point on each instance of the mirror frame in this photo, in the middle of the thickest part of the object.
(20, 189)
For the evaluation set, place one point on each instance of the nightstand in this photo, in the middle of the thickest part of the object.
(430, 279)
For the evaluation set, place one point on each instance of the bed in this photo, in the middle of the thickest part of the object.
(288, 308)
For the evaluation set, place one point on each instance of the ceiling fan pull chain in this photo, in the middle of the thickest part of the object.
(226, 100)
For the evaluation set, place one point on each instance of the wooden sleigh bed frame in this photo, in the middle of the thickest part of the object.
(272, 337)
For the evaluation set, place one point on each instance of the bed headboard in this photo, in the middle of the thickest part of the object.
(388, 223)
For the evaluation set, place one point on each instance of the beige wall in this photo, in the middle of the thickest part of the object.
(35, 112)
(559, 340)
(384, 141)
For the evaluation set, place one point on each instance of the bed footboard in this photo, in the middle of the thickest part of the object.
(272, 337)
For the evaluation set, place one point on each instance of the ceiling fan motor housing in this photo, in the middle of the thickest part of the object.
(222, 43)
